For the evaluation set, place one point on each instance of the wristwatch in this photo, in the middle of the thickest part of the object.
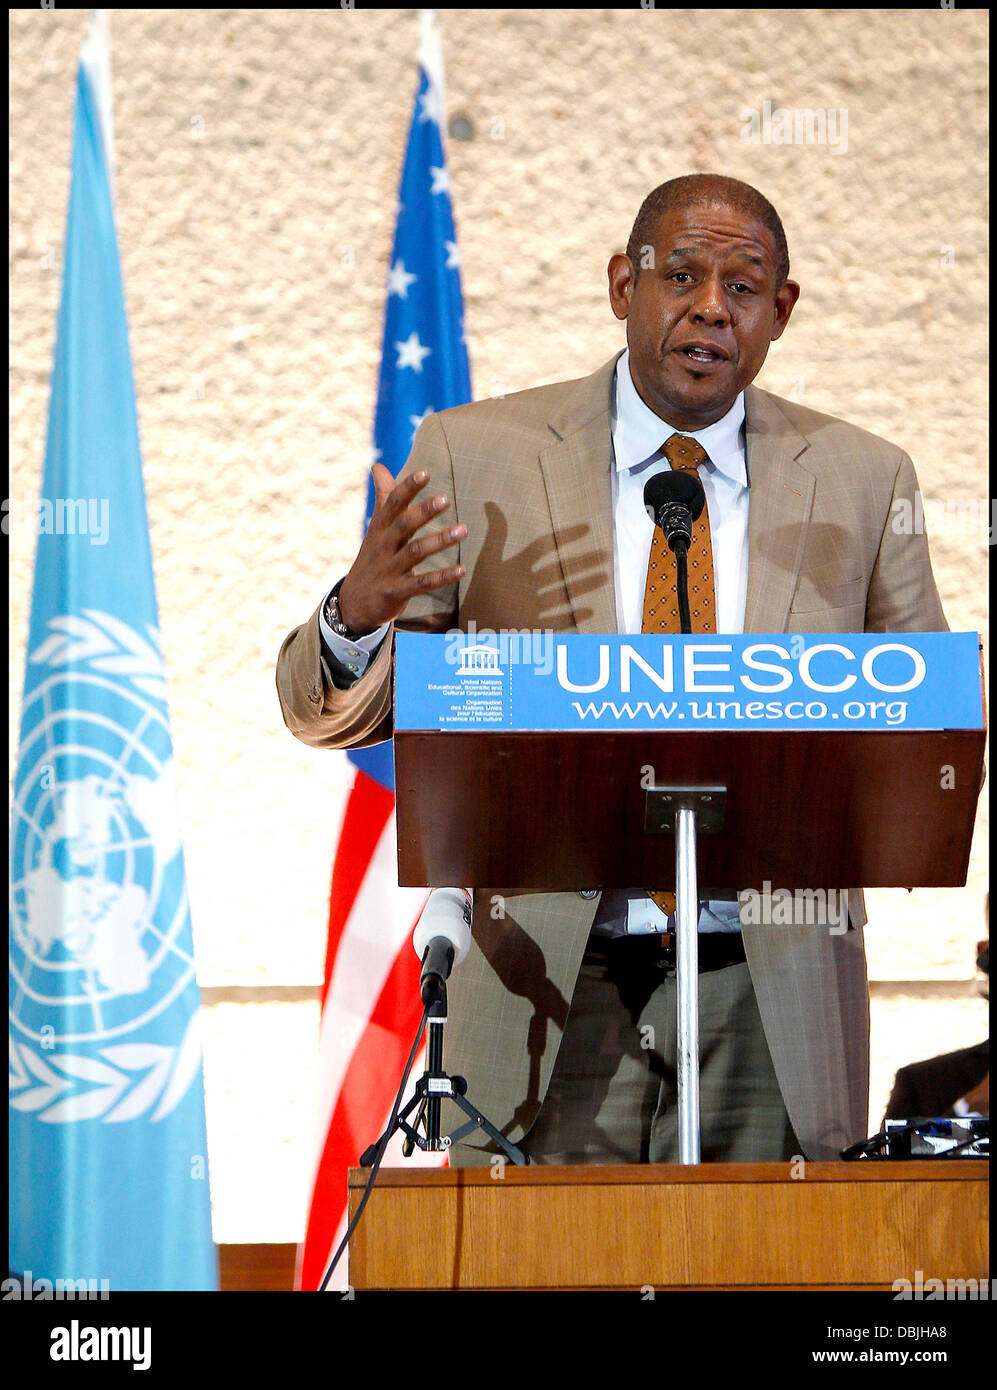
(332, 616)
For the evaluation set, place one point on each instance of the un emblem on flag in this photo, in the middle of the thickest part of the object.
(100, 946)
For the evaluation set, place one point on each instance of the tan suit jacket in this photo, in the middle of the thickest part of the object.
(529, 476)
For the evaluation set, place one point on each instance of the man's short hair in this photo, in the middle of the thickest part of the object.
(690, 189)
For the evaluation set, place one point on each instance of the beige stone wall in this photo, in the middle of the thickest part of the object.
(258, 155)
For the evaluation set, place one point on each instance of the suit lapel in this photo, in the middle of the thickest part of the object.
(781, 493)
(576, 471)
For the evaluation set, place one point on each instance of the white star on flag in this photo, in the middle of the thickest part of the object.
(411, 352)
(416, 420)
(399, 280)
(432, 109)
(441, 180)
(453, 256)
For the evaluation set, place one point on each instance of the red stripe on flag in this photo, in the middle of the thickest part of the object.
(368, 808)
(369, 1087)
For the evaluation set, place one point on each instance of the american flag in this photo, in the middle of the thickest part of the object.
(370, 1002)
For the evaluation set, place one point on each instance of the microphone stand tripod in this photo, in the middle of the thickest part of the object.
(430, 1089)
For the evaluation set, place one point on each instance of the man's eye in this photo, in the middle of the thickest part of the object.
(684, 273)
(741, 287)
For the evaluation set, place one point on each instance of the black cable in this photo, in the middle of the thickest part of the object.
(379, 1155)
(966, 1144)
(874, 1144)
(865, 1148)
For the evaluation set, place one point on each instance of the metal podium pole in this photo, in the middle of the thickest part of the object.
(687, 982)
(685, 811)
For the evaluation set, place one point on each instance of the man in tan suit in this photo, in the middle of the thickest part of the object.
(550, 1012)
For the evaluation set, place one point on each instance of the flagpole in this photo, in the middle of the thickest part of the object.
(431, 54)
(95, 58)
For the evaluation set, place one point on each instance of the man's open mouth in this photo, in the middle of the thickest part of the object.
(699, 359)
(703, 354)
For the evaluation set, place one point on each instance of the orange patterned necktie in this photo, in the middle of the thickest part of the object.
(661, 604)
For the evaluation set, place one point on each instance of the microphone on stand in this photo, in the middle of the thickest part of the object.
(675, 500)
(442, 938)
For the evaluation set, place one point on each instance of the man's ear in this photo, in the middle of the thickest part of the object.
(785, 299)
(621, 283)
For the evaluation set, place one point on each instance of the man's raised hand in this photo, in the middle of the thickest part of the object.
(382, 578)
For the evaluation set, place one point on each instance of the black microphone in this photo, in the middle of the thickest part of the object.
(436, 966)
(675, 500)
(442, 938)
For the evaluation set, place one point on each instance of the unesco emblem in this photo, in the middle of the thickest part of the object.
(479, 661)
(100, 940)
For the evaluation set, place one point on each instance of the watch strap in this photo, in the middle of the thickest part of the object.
(334, 618)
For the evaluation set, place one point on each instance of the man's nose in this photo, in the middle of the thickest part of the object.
(710, 304)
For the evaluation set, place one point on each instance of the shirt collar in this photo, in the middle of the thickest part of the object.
(638, 433)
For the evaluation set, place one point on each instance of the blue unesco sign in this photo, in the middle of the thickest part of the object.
(523, 681)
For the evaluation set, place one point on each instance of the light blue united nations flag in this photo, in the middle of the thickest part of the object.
(108, 1155)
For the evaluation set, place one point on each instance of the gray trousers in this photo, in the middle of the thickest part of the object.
(613, 1094)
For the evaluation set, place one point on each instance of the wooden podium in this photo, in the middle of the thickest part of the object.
(558, 807)
(844, 1226)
